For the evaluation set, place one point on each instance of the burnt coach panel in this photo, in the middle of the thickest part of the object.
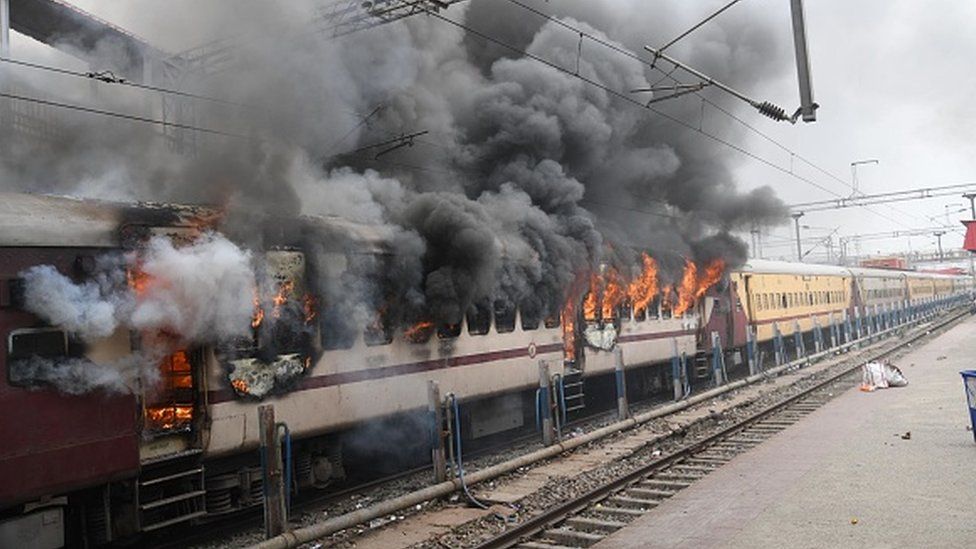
(54, 443)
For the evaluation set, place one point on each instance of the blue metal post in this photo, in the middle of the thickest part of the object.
(818, 343)
(751, 357)
(779, 348)
(798, 343)
(834, 336)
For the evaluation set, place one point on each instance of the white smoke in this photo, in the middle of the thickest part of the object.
(82, 309)
(202, 292)
(199, 293)
(76, 376)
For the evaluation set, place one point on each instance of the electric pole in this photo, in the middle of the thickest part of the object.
(938, 236)
(972, 203)
(796, 221)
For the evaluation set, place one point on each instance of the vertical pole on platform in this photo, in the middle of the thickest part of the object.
(5, 28)
(817, 334)
(548, 433)
(801, 346)
(274, 485)
(436, 431)
(677, 373)
(778, 345)
(718, 359)
(833, 331)
(751, 350)
(858, 325)
(618, 370)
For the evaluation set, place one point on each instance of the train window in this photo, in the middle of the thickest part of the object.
(531, 312)
(504, 316)
(654, 308)
(640, 315)
(419, 332)
(623, 312)
(479, 319)
(26, 344)
(380, 330)
(449, 330)
(552, 321)
(782, 301)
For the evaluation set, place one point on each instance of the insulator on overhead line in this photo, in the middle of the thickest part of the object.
(773, 111)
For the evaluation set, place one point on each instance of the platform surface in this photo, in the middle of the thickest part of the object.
(844, 476)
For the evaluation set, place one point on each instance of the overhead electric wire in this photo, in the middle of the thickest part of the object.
(107, 77)
(123, 116)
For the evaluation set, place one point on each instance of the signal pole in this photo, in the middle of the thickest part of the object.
(796, 221)
(938, 236)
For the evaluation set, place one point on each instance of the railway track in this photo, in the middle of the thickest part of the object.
(591, 517)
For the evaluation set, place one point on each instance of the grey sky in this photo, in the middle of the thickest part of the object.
(893, 79)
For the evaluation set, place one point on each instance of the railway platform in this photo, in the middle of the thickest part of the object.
(890, 468)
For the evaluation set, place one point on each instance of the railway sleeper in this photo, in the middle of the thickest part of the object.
(688, 468)
(675, 475)
(618, 512)
(633, 503)
(664, 484)
(572, 538)
(650, 493)
(712, 462)
(541, 545)
(586, 524)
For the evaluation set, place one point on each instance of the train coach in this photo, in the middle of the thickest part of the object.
(776, 299)
(93, 466)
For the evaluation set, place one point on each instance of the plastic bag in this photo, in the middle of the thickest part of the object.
(881, 375)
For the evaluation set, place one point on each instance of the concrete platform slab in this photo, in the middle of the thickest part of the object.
(844, 476)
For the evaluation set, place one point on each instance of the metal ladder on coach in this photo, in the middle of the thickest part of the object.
(171, 491)
(573, 395)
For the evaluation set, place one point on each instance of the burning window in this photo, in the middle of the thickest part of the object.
(552, 321)
(531, 311)
(419, 332)
(380, 330)
(33, 353)
(169, 407)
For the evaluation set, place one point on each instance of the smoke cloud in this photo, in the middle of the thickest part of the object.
(526, 177)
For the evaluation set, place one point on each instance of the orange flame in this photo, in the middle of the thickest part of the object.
(694, 285)
(419, 332)
(642, 290)
(258, 317)
(240, 386)
(591, 303)
(138, 279)
(169, 416)
(569, 331)
(613, 293)
(284, 290)
(311, 308)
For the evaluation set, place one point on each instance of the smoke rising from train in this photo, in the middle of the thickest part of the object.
(527, 179)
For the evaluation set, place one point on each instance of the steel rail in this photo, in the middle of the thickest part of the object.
(550, 517)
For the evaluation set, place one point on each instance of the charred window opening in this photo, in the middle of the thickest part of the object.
(640, 315)
(531, 312)
(665, 308)
(169, 406)
(504, 316)
(419, 332)
(624, 312)
(449, 330)
(479, 319)
(380, 330)
(552, 321)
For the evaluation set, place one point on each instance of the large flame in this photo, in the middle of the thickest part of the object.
(695, 283)
(280, 298)
(644, 288)
(173, 406)
(613, 293)
(591, 304)
(569, 331)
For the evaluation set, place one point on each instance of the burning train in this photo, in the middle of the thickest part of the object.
(138, 344)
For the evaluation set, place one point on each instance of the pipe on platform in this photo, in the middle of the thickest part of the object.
(294, 538)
